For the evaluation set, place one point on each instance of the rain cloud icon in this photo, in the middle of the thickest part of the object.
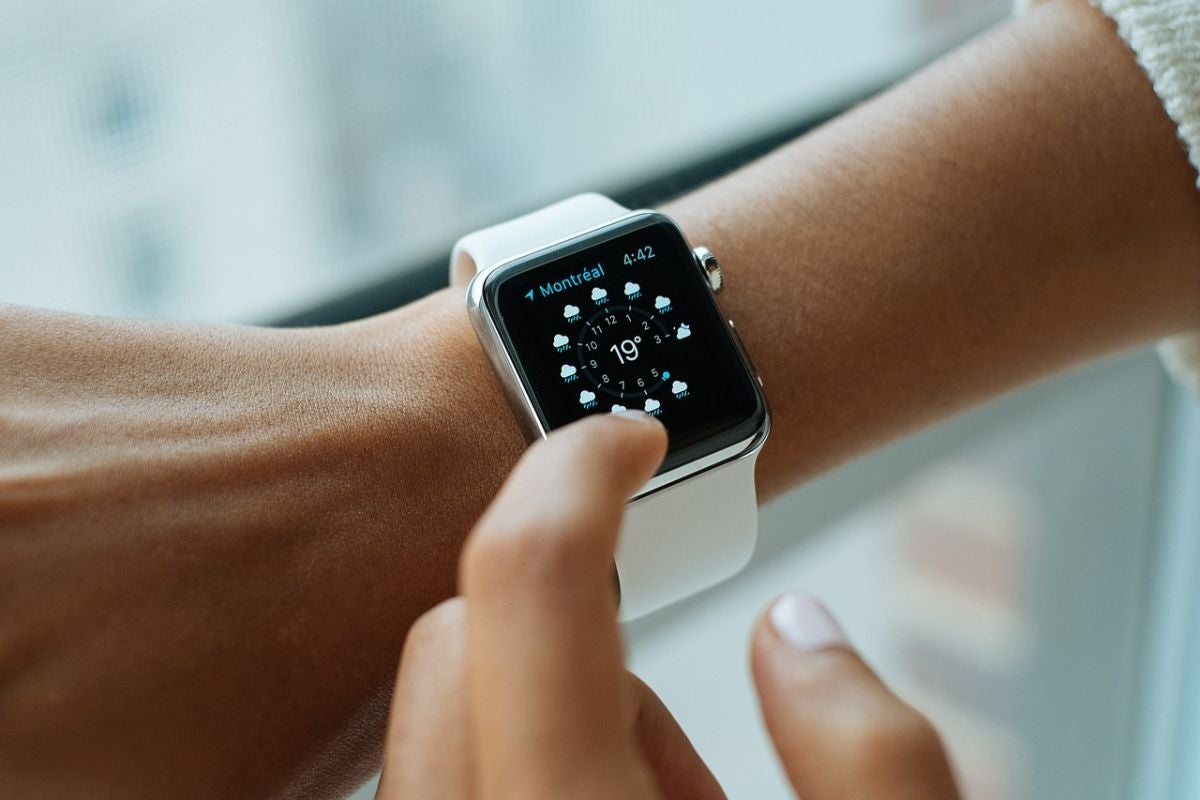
(586, 397)
(560, 340)
(570, 311)
(678, 387)
(661, 302)
(632, 289)
(683, 331)
(652, 405)
(599, 294)
(568, 371)
(618, 408)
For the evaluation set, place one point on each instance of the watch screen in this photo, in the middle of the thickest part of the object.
(625, 319)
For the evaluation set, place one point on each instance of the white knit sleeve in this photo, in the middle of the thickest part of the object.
(1164, 35)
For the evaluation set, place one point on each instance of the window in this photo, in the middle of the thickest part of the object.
(234, 160)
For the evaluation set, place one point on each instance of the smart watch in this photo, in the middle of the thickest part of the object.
(585, 307)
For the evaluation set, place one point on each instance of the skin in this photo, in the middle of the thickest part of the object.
(517, 689)
(213, 540)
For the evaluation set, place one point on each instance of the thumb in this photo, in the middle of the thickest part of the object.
(838, 730)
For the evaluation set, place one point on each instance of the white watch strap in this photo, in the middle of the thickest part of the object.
(489, 246)
(687, 537)
(677, 540)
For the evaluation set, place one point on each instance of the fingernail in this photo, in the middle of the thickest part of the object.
(801, 621)
(634, 415)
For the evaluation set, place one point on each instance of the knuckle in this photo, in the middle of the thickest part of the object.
(434, 629)
(543, 553)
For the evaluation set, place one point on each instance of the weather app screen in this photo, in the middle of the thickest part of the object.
(629, 322)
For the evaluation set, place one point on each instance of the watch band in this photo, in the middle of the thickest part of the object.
(488, 246)
(687, 536)
(678, 539)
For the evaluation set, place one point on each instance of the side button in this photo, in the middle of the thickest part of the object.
(710, 267)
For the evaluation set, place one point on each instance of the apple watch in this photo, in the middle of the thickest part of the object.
(585, 307)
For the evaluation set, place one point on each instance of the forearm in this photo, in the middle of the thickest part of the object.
(1018, 207)
(213, 541)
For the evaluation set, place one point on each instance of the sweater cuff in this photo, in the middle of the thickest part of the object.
(1164, 36)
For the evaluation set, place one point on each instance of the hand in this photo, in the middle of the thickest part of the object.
(518, 690)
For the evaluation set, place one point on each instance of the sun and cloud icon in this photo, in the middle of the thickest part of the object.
(632, 290)
(683, 331)
(600, 294)
(560, 342)
(679, 388)
(587, 399)
(651, 405)
(570, 311)
(568, 372)
(662, 303)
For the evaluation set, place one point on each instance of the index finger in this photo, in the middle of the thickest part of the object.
(545, 661)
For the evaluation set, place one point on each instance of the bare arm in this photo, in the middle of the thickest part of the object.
(1022, 205)
(212, 540)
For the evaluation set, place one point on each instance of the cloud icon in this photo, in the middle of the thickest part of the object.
(567, 371)
(682, 332)
(651, 405)
(632, 288)
(678, 387)
(570, 311)
(618, 407)
(599, 294)
(560, 340)
(586, 397)
(661, 302)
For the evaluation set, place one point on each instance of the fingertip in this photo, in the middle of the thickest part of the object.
(798, 648)
(559, 512)
(802, 622)
(631, 422)
(838, 729)
(793, 624)
(632, 438)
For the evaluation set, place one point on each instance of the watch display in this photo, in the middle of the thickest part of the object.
(623, 319)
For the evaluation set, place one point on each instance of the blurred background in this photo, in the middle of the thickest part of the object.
(1029, 573)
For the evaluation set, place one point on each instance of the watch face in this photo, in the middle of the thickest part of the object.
(625, 319)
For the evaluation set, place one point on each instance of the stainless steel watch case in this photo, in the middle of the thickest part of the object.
(486, 328)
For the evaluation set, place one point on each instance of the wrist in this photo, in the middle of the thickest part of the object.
(450, 430)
